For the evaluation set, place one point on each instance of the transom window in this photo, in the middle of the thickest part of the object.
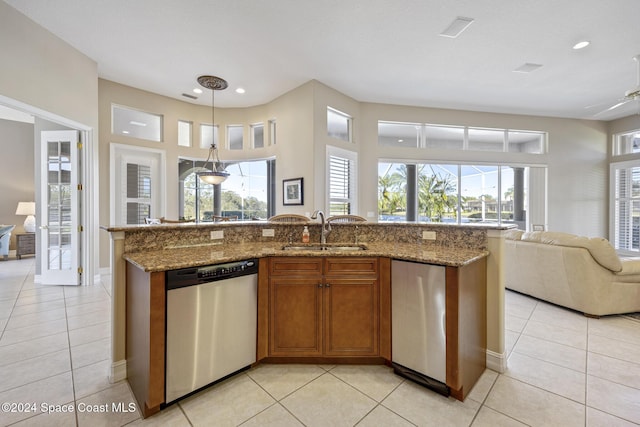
(339, 125)
(445, 137)
(136, 124)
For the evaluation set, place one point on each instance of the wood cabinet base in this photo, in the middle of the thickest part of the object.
(327, 360)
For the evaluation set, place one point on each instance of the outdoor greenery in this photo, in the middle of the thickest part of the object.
(437, 196)
(232, 203)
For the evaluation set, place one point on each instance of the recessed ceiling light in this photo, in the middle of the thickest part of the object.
(240, 90)
(125, 131)
(527, 68)
(457, 27)
(197, 90)
(581, 45)
(133, 122)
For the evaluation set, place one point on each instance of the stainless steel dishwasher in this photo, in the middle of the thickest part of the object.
(211, 324)
(418, 323)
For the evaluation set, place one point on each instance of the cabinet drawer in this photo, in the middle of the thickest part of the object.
(351, 266)
(26, 240)
(287, 266)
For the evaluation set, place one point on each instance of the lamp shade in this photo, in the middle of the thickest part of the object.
(215, 177)
(26, 208)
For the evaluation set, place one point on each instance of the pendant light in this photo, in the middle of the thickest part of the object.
(217, 174)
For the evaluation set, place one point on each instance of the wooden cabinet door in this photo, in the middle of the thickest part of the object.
(295, 315)
(351, 310)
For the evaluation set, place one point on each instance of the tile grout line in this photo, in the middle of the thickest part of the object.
(73, 382)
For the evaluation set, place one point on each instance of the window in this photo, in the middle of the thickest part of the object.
(185, 133)
(206, 137)
(257, 135)
(245, 194)
(486, 139)
(454, 193)
(341, 178)
(625, 180)
(136, 124)
(456, 138)
(526, 142)
(138, 183)
(339, 125)
(399, 134)
(235, 137)
(626, 143)
(272, 132)
(445, 137)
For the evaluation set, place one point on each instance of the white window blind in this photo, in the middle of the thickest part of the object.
(138, 191)
(341, 183)
(626, 206)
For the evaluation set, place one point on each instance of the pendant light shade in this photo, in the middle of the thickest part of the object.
(217, 174)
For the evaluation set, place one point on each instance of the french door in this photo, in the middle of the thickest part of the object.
(59, 211)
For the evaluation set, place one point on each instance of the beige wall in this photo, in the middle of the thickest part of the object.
(43, 75)
(41, 70)
(18, 171)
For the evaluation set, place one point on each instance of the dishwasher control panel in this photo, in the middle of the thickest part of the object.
(210, 273)
(226, 270)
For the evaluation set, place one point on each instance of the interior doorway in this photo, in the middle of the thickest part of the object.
(85, 245)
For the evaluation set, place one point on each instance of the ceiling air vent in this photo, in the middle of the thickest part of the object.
(457, 27)
(189, 96)
(527, 68)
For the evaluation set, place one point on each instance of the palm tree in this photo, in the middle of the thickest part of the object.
(436, 195)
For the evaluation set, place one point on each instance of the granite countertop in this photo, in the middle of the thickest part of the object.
(207, 254)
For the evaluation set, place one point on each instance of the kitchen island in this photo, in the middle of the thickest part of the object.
(141, 278)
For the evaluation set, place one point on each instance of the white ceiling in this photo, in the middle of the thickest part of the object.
(385, 51)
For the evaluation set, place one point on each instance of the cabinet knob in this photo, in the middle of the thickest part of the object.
(319, 285)
(328, 285)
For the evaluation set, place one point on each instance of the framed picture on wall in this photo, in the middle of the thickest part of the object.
(292, 191)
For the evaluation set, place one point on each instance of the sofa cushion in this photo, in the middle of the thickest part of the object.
(599, 248)
(513, 234)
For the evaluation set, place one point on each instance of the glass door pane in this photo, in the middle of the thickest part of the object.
(59, 224)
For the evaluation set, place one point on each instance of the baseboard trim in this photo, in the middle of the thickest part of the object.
(118, 371)
(496, 361)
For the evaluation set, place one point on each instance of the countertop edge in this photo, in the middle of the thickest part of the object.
(159, 261)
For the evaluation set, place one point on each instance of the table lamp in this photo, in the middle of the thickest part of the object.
(29, 209)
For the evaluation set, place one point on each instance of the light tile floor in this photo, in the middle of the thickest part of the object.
(564, 370)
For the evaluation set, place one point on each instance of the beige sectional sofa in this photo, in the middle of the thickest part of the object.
(580, 273)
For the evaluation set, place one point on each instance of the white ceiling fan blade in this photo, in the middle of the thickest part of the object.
(602, 104)
(613, 107)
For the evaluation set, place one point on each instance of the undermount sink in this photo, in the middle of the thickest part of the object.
(326, 247)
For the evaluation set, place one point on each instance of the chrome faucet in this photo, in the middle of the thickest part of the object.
(326, 227)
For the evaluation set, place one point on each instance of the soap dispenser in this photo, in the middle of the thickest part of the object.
(305, 235)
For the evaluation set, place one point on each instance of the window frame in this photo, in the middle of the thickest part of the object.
(190, 136)
(352, 198)
(349, 122)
